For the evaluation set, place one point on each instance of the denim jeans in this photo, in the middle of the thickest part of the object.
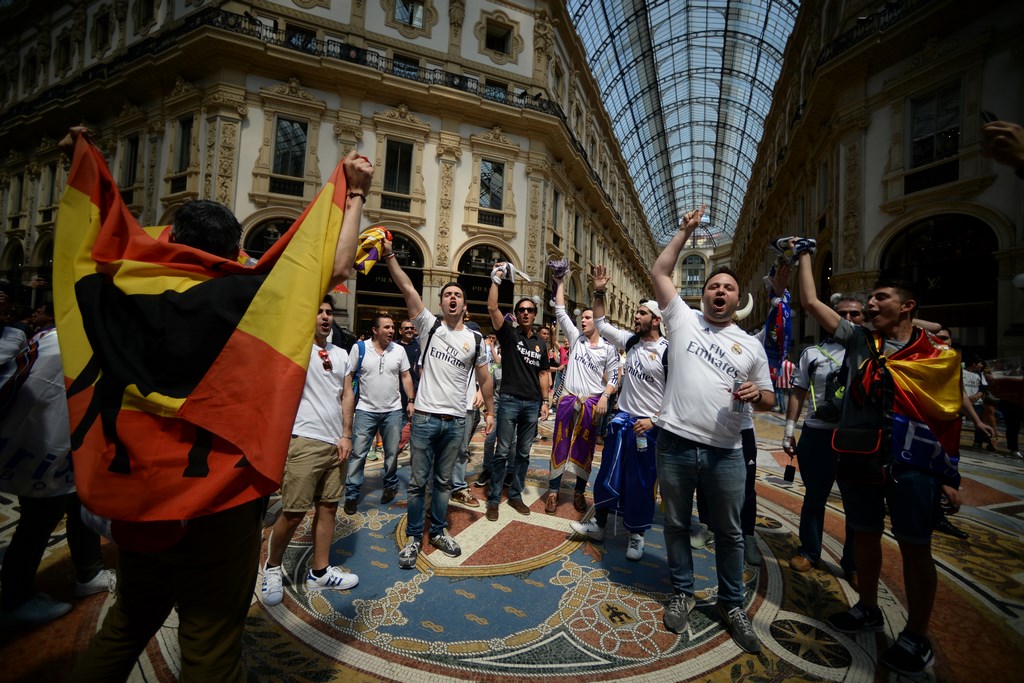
(459, 471)
(818, 471)
(721, 474)
(365, 426)
(517, 420)
(434, 445)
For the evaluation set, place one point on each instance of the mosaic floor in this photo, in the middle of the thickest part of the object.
(527, 601)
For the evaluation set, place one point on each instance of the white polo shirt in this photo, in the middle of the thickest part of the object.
(380, 376)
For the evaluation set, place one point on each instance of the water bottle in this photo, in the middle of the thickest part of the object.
(641, 442)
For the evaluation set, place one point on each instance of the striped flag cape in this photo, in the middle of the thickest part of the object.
(927, 397)
(184, 370)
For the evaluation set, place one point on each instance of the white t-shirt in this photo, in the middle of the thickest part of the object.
(12, 340)
(973, 383)
(815, 364)
(643, 372)
(319, 415)
(447, 365)
(379, 376)
(589, 369)
(706, 359)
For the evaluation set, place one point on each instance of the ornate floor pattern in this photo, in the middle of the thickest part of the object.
(526, 601)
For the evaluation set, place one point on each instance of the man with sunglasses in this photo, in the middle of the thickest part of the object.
(451, 353)
(384, 369)
(816, 455)
(313, 476)
(525, 383)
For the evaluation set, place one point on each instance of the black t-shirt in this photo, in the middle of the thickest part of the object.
(522, 360)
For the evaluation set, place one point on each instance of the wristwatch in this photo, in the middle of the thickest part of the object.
(654, 420)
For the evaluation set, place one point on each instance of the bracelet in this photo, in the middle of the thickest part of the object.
(353, 195)
(598, 293)
(389, 255)
(759, 395)
(347, 436)
(412, 400)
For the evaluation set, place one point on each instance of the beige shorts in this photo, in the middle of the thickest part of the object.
(312, 475)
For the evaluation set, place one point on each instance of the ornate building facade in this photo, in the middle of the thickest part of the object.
(871, 147)
(486, 130)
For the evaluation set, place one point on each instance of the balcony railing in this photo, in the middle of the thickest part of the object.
(884, 19)
(392, 202)
(491, 218)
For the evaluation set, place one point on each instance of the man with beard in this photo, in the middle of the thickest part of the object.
(525, 383)
(321, 442)
(380, 367)
(591, 378)
(628, 473)
(716, 367)
(451, 351)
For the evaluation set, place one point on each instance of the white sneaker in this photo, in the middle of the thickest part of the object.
(104, 581)
(334, 579)
(699, 538)
(635, 551)
(590, 529)
(273, 585)
(38, 609)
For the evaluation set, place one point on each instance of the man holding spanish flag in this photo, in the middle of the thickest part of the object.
(162, 332)
(903, 391)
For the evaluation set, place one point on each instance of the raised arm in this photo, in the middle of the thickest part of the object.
(661, 271)
(497, 318)
(819, 310)
(412, 298)
(600, 283)
(358, 174)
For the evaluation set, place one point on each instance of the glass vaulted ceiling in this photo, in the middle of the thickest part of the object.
(687, 85)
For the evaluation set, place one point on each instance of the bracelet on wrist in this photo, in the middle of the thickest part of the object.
(389, 255)
(347, 436)
(598, 293)
(353, 195)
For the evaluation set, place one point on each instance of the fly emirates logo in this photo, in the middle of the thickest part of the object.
(715, 355)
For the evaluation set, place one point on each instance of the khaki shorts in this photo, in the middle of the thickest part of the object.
(312, 475)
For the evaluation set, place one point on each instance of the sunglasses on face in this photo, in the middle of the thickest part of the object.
(325, 359)
(524, 309)
(850, 314)
(408, 329)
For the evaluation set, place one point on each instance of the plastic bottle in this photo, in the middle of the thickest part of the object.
(641, 442)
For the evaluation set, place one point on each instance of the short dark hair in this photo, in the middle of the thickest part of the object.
(720, 270)
(452, 283)
(377, 319)
(526, 299)
(328, 300)
(208, 226)
(905, 288)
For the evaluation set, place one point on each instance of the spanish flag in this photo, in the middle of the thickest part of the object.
(183, 369)
(927, 397)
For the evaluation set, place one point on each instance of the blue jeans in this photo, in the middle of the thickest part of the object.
(721, 474)
(517, 420)
(433, 445)
(818, 471)
(459, 471)
(365, 426)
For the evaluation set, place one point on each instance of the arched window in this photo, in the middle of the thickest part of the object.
(262, 236)
(475, 277)
(694, 270)
(950, 260)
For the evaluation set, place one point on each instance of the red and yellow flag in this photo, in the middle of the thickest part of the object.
(184, 370)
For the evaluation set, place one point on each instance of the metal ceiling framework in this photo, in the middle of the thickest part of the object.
(687, 85)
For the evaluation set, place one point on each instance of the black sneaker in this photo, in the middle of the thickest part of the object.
(910, 655)
(483, 479)
(740, 628)
(859, 618)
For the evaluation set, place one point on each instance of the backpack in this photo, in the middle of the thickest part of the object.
(359, 363)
